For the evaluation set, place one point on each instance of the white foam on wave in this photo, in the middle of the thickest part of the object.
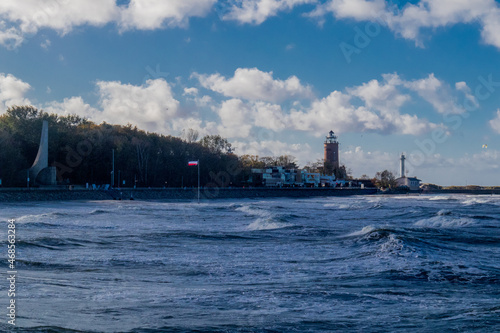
(365, 231)
(445, 221)
(440, 197)
(261, 224)
(264, 221)
(338, 206)
(32, 218)
(393, 245)
(477, 200)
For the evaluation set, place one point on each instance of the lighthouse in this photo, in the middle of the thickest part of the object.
(402, 166)
(332, 150)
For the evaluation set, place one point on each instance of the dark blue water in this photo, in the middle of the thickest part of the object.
(365, 264)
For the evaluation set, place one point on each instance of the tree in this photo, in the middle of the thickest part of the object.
(190, 135)
(215, 144)
(316, 167)
(385, 179)
(251, 162)
(287, 161)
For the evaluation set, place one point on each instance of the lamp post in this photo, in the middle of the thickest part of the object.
(113, 169)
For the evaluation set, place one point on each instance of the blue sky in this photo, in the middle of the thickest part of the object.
(274, 76)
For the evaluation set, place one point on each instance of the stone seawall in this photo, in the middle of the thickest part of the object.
(25, 195)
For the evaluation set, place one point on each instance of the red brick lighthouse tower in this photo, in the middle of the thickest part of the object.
(332, 150)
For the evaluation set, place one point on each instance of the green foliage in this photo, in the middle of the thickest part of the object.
(82, 152)
(385, 179)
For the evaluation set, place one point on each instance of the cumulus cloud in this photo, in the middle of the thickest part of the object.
(154, 14)
(413, 18)
(149, 105)
(374, 106)
(302, 151)
(380, 112)
(234, 116)
(368, 163)
(29, 16)
(257, 11)
(238, 118)
(19, 19)
(253, 84)
(439, 94)
(495, 122)
(70, 106)
(12, 91)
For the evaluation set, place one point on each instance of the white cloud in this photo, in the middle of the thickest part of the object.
(257, 11)
(150, 105)
(12, 91)
(203, 128)
(409, 21)
(191, 91)
(255, 85)
(380, 112)
(10, 38)
(71, 106)
(368, 163)
(235, 116)
(495, 122)
(45, 44)
(155, 14)
(438, 94)
(303, 152)
(20, 19)
(29, 16)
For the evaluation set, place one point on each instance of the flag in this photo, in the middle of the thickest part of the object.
(191, 163)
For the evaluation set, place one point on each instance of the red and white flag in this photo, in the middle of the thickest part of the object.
(191, 163)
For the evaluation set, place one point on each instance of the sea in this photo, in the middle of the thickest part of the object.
(428, 263)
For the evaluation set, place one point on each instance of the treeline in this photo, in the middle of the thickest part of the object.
(82, 153)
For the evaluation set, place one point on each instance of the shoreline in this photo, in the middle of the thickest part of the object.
(48, 194)
(210, 193)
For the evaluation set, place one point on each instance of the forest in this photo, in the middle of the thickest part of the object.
(82, 152)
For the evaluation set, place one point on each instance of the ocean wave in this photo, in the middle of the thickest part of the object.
(393, 245)
(261, 224)
(365, 231)
(98, 212)
(445, 221)
(470, 201)
(442, 197)
(266, 220)
(30, 218)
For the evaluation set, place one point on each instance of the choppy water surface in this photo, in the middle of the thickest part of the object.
(426, 263)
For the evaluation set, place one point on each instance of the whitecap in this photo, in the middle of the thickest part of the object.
(445, 221)
(262, 224)
(265, 220)
(440, 197)
(366, 230)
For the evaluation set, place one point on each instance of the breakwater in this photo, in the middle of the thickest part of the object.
(25, 195)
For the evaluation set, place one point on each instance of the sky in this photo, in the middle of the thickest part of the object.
(419, 77)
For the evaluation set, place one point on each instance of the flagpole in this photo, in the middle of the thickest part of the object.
(198, 181)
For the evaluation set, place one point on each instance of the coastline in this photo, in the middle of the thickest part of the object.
(47, 194)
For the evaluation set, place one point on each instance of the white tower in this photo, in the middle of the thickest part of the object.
(402, 165)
